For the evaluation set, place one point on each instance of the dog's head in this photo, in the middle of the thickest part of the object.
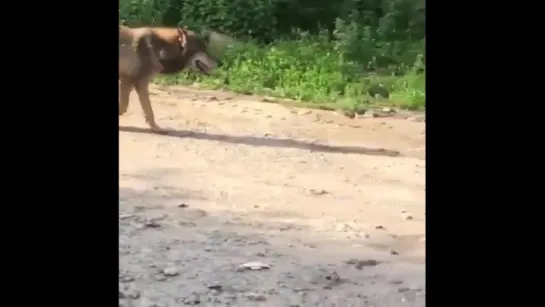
(194, 51)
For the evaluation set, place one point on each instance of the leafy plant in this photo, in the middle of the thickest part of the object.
(320, 52)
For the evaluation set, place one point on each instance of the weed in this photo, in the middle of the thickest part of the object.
(308, 70)
(350, 54)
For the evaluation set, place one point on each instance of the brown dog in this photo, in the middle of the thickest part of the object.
(145, 52)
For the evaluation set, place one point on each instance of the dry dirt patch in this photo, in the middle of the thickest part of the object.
(286, 185)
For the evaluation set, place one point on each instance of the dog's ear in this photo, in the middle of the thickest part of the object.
(182, 35)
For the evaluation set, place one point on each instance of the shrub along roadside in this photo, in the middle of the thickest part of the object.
(354, 46)
(310, 70)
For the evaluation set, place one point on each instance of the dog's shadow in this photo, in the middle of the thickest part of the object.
(266, 141)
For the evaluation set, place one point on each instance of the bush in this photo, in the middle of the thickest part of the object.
(331, 58)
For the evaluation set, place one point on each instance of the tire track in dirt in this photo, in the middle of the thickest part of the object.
(242, 181)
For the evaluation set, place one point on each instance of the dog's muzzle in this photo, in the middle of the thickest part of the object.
(203, 63)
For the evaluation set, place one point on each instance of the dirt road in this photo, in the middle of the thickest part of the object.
(330, 219)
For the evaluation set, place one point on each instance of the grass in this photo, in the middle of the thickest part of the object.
(310, 71)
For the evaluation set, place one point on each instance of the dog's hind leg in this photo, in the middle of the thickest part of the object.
(125, 87)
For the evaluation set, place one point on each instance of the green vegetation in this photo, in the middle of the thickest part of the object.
(324, 53)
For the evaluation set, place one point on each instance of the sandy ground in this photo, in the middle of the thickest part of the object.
(320, 201)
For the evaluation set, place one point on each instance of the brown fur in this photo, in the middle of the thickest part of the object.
(145, 52)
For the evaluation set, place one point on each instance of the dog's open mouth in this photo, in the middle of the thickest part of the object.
(203, 63)
(202, 67)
